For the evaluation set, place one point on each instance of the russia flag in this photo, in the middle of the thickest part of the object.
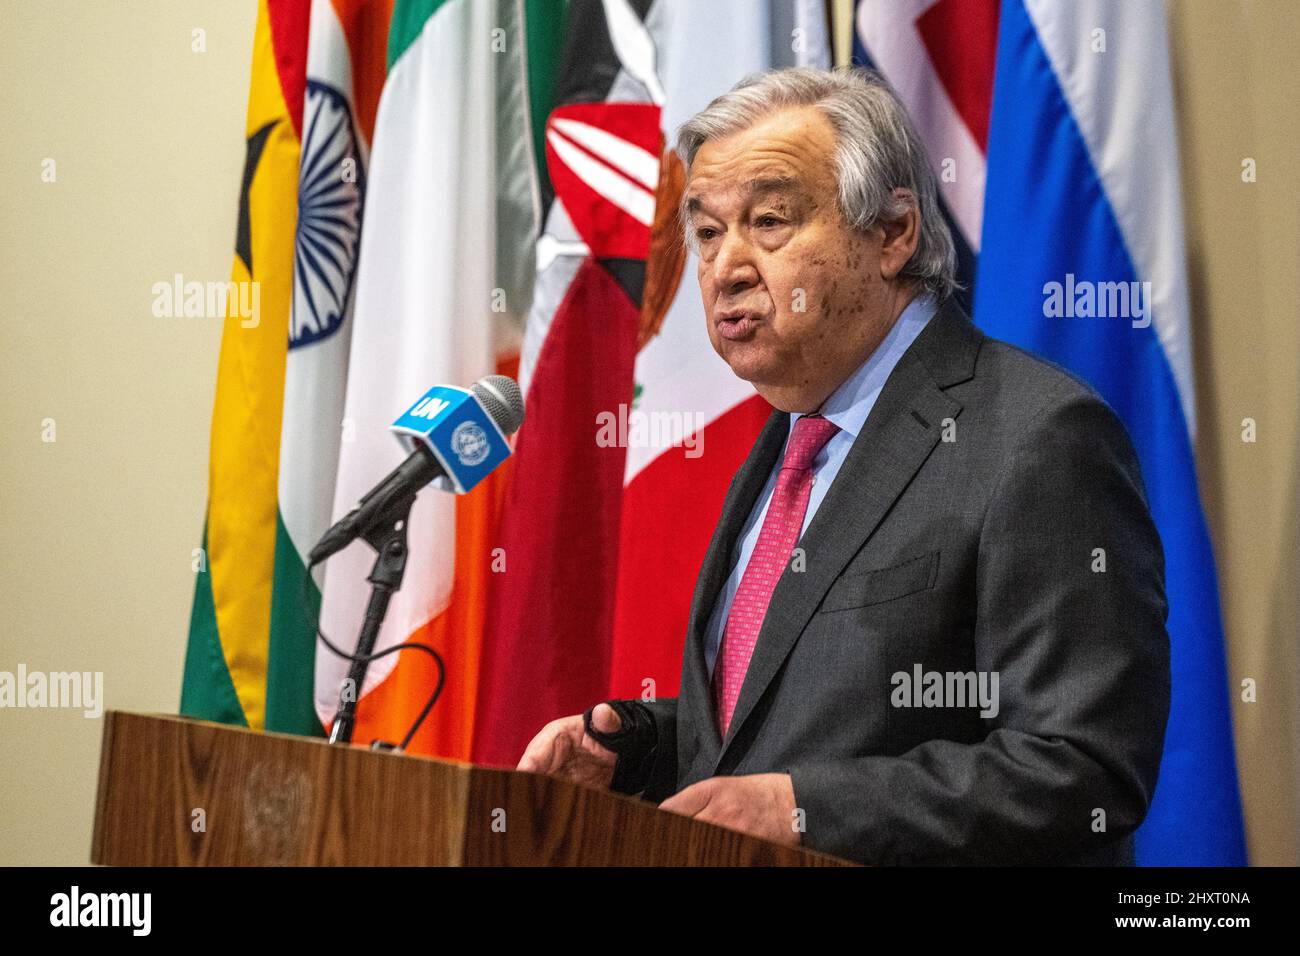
(1051, 125)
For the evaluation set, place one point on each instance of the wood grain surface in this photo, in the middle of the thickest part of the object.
(180, 792)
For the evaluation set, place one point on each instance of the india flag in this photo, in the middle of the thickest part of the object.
(346, 63)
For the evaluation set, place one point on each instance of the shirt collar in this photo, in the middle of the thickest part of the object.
(849, 405)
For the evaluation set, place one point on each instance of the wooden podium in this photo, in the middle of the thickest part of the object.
(180, 792)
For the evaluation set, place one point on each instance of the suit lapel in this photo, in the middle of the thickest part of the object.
(903, 428)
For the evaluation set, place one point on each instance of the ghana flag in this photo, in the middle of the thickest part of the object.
(226, 662)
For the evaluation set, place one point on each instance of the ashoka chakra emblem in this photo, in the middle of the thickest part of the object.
(331, 190)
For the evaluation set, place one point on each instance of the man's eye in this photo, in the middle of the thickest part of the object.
(767, 221)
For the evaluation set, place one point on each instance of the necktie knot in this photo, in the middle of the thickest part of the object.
(810, 435)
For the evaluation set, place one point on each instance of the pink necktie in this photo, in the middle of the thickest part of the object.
(776, 541)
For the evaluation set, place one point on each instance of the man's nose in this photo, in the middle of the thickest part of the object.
(734, 269)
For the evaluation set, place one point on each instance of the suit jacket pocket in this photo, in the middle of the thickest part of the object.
(860, 589)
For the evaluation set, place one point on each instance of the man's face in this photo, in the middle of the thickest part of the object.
(793, 296)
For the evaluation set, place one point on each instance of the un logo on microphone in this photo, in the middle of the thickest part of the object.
(458, 431)
(470, 443)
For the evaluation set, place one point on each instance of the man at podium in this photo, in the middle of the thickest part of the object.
(930, 625)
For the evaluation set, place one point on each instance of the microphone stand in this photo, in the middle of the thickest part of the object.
(387, 535)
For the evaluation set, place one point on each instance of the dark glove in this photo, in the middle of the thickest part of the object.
(634, 743)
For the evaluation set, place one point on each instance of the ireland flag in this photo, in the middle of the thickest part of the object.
(443, 286)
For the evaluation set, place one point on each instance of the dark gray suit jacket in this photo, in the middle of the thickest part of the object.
(970, 552)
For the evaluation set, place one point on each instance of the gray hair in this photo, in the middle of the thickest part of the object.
(877, 150)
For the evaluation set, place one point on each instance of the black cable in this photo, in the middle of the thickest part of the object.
(367, 658)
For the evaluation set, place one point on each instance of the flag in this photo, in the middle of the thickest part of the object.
(700, 419)
(938, 57)
(1083, 190)
(1052, 129)
(226, 659)
(346, 64)
(610, 510)
(443, 283)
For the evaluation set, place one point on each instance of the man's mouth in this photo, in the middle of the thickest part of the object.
(737, 325)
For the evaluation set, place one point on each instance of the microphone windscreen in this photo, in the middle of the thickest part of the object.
(500, 397)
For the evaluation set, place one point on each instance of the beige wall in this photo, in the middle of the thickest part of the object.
(1237, 88)
(96, 528)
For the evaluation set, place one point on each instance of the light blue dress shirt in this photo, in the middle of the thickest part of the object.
(847, 407)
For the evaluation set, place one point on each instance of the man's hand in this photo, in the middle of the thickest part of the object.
(760, 804)
(563, 749)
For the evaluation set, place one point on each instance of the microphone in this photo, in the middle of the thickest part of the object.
(454, 434)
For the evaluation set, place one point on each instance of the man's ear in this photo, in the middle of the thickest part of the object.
(900, 235)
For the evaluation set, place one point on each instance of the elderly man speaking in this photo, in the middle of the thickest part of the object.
(930, 626)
